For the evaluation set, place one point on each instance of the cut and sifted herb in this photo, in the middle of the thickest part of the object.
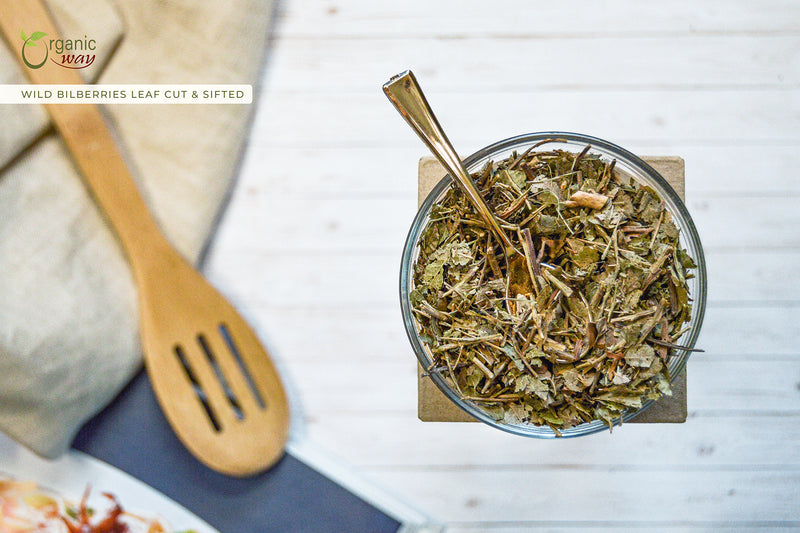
(579, 325)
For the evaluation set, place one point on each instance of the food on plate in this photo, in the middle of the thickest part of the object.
(26, 507)
(579, 323)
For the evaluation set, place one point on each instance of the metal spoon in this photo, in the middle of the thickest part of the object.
(404, 92)
(407, 97)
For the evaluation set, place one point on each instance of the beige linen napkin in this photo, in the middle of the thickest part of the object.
(21, 125)
(68, 313)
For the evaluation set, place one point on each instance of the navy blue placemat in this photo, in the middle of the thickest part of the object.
(133, 435)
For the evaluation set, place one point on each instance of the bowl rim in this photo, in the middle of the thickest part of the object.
(417, 225)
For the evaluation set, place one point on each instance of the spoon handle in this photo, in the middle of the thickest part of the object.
(89, 139)
(405, 94)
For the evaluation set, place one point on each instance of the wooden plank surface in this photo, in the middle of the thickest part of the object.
(705, 118)
(310, 245)
(360, 225)
(365, 19)
(303, 63)
(706, 441)
(327, 171)
(709, 390)
(536, 494)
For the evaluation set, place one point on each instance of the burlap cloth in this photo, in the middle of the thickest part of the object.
(68, 312)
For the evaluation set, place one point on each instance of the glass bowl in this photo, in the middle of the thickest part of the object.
(627, 163)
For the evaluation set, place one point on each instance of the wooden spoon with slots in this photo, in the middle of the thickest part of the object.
(213, 379)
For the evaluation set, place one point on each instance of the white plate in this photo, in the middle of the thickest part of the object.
(70, 474)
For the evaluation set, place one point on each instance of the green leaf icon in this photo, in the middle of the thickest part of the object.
(22, 34)
(30, 43)
(37, 35)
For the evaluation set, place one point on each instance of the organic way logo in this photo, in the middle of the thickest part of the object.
(61, 47)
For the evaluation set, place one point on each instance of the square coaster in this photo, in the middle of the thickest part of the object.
(433, 406)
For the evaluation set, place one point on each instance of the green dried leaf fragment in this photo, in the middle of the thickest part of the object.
(552, 418)
(533, 386)
(587, 257)
(460, 254)
(434, 273)
(515, 178)
(642, 356)
(576, 381)
(511, 352)
(622, 397)
(663, 385)
(515, 414)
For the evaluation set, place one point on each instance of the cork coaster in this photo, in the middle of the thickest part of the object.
(433, 406)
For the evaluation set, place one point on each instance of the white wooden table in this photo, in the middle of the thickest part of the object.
(310, 245)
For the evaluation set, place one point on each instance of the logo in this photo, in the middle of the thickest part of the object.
(65, 51)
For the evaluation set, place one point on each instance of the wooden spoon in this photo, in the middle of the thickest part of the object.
(213, 379)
